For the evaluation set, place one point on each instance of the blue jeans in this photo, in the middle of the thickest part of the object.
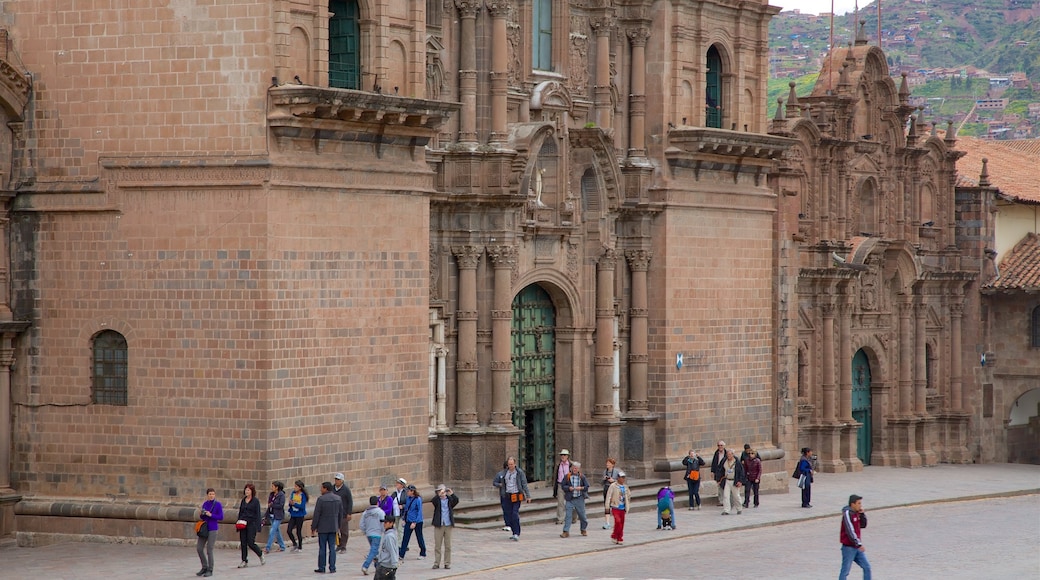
(327, 543)
(575, 505)
(850, 555)
(373, 550)
(275, 532)
(671, 506)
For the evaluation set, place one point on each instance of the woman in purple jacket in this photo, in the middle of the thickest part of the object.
(211, 513)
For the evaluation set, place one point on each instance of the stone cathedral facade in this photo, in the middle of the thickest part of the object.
(276, 239)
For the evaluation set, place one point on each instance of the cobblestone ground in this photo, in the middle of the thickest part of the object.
(946, 522)
(994, 538)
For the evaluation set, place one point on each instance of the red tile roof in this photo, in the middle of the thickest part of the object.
(1020, 268)
(1014, 166)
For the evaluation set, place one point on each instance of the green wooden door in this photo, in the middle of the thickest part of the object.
(344, 32)
(713, 90)
(861, 404)
(534, 378)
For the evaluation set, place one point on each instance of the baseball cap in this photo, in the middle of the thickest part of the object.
(338, 476)
(383, 486)
(621, 474)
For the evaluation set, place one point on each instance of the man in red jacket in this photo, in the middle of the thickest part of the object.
(853, 519)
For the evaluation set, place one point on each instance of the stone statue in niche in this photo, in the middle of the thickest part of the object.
(536, 186)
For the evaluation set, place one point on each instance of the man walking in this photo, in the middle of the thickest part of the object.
(853, 519)
(400, 495)
(388, 558)
(512, 488)
(733, 480)
(328, 513)
(716, 470)
(575, 491)
(343, 491)
(443, 523)
(563, 471)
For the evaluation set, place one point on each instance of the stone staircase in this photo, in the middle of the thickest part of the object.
(487, 514)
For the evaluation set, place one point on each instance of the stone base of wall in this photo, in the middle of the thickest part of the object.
(8, 499)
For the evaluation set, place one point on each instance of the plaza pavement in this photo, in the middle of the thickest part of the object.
(478, 552)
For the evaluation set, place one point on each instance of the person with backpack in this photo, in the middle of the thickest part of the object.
(666, 508)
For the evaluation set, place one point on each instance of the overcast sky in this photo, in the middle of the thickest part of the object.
(818, 6)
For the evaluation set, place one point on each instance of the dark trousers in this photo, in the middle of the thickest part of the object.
(418, 538)
(384, 573)
(295, 524)
(512, 511)
(247, 541)
(344, 534)
(693, 487)
(807, 494)
(327, 545)
(752, 488)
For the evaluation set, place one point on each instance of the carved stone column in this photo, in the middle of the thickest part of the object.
(499, 9)
(827, 410)
(638, 358)
(602, 26)
(468, 69)
(956, 387)
(503, 258)
(6, 360)
(845, 362)
(604, 360)
(920, 359)
(637, 99)
(906, 351)
(466, 362)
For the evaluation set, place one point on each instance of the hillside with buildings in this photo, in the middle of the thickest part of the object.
(975, 63)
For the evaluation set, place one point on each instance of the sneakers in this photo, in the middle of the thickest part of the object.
(507, 529)
(606, 526)
(447, 566)
(739, 512)
(262, 560)
(436, 566)
(565, 535)
(612, 540)
(364, 571)
(691, 508)
(515, 538)
(208, 573)
(243, 564)
(421, 558)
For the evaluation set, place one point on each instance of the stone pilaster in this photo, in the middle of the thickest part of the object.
(466, 362)
(604, 360)
(499, 10)
(637, 37)
(602, 26)
(503, 258)
(468, 69)
(638, 357)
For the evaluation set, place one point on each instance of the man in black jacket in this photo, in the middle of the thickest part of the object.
(328, 513)
(343, 491)
(716, 462)
(733, 482)
(443, 523)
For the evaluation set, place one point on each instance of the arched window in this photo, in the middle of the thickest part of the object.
(110, 369)
(713, 90)
(1035, 327)
(344, 36)
(541, 35)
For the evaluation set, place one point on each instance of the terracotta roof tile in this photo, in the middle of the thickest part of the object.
(1020, 268)
(1014, 166)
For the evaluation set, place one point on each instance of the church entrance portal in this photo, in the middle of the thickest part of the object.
(534, 379)
(861, 404)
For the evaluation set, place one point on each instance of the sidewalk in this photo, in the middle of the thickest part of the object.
(477, 550)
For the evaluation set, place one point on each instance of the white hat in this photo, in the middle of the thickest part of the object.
(565, 452)
(621, 474)
(338, 476)
(442, 487)
(402, 481)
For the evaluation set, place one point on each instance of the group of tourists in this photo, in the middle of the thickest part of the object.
(388, 523)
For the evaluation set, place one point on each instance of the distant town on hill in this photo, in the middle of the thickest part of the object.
(976, 63)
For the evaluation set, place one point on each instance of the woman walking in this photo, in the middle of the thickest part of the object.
(276, 511)
(297, 513)
(211, 513)
(249, 524)
(413, 521)
(609, 477)
(619, 498)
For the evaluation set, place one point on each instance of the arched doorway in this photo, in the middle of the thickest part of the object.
(533, 379)
(861, 404)
(713, 90)
(344, 37)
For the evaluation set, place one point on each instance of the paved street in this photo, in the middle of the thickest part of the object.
(952, 522)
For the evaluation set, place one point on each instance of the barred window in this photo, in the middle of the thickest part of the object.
(110, 368)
